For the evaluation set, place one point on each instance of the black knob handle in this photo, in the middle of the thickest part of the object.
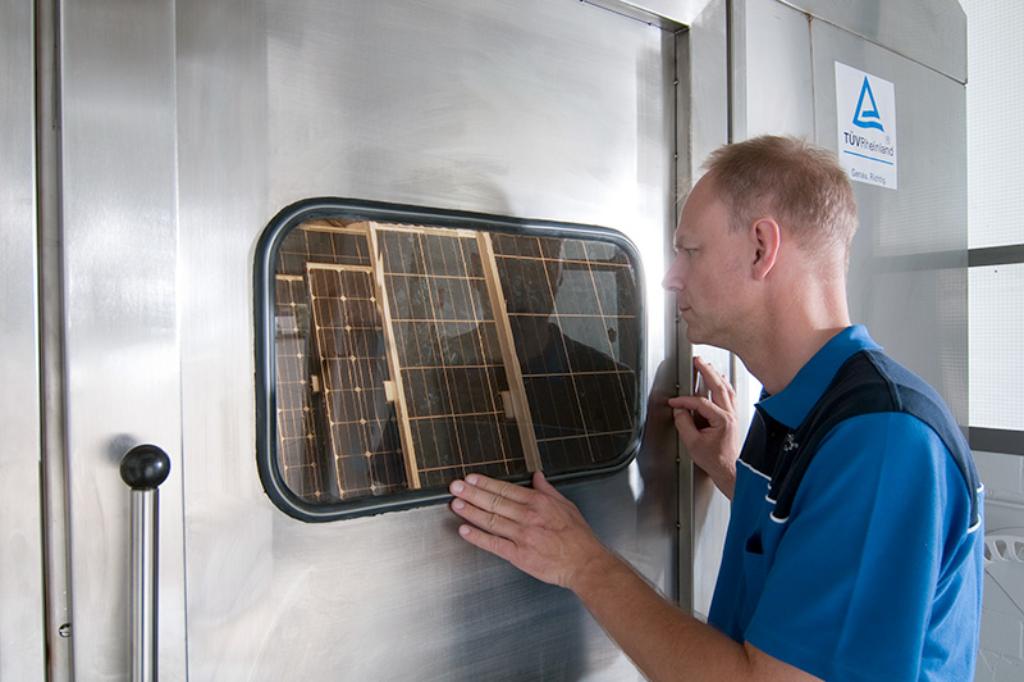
(145, 466)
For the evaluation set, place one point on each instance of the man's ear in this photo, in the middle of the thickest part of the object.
(766, 238)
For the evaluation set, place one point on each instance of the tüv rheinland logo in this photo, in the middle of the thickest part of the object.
(866, 118)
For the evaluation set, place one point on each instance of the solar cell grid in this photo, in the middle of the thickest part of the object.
(446, 346)
(567, 334)
(514, 245)
(420, 346)
(350, 338)
(323, 243)
(298, 453)
(472, 344)
(614, 292)
(497, 344)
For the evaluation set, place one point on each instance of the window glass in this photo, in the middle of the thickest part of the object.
(995, 114)
(406, 356)
(997, 365)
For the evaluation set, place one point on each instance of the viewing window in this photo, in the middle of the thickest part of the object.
(398, 356)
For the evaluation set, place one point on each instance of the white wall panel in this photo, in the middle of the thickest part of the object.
(997, 364)
(995, 121)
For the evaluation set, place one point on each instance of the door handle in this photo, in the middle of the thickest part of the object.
(144, 468)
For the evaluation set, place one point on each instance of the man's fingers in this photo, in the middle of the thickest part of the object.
(499, 547)
(487, 500)
(720, 393)
(687, 401)
(718, 386)
(541, 484)
(707, 409)
(487, 521)
(505, 489)
(684, 423)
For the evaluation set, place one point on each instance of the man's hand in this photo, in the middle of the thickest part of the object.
(538, 531)
(716, 447)
(542, 533)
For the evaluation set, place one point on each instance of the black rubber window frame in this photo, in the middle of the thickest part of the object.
(264, 271)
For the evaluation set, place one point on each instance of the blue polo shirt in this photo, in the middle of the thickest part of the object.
(874, 569)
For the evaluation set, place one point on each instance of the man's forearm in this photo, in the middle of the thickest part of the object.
(542, 533)
(725, 480)
(663, 642)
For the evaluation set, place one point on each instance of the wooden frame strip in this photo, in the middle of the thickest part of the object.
(354, 228)
(339, 267)
(425, 230)
(521, 406)
(339, 483)
(412, 472)
(568, 261)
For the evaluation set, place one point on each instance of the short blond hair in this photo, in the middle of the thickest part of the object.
(802, 186)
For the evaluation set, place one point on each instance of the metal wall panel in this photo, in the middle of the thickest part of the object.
(120, 275)
(908, 277)
(554, 110)
(930, 32)
(704, 511)
(772, 90)
(908, 268)
(21, 559)
(682, 12)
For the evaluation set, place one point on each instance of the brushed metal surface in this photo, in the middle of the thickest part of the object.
(708, 100)
(683, 12)
(930, 32)
(908, 276)
(908, 268)
(145, 543)
(553, 110)
(188, 125)
(56, 549)
(704, 512)
(771, 71)
(21, 558)
(120, 279)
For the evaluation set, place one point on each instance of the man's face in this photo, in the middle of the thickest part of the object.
(708, 273)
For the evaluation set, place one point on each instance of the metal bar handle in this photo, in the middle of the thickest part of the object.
(144, 468)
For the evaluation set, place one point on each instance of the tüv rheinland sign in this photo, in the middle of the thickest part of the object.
(866, 110)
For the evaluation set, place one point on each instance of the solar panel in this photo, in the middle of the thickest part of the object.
(452, 367)
(361, 421)
(442, 351)
(298, 454)
(322, 241)
(571, 341)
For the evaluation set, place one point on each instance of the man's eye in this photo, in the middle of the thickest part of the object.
(689, 252)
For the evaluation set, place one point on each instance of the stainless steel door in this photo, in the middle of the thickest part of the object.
(120, 273)
(187, 126)
(21, 559)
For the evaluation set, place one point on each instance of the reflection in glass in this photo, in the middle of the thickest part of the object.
(408, 356)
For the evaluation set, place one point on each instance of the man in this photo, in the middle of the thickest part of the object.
(853, 550)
